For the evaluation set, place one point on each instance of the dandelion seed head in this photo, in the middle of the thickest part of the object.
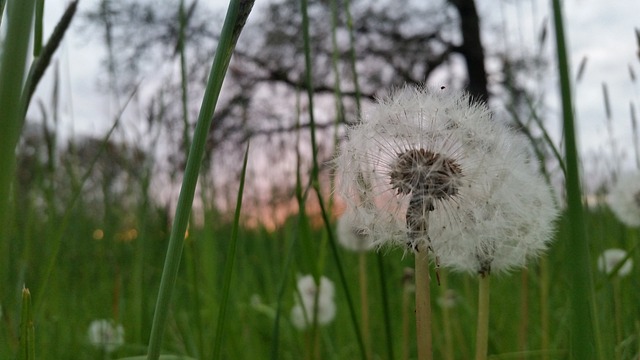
(429, 174)
(434, 170)
(302, 317)
(106, 335)
(353, 230)
(611, 258)
(624, 199)
(303, 311)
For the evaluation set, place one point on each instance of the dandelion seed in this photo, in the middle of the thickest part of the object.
(610, 259)
(302, 313)
(624, 199)
(105, 335)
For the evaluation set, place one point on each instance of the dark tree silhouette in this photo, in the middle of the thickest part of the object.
(387, 43)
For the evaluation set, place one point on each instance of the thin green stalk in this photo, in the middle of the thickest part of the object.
(423, 305)
(41, 63)
(523, 328)
(315, 175)
(12, 68)
(544, 307)
(617, 310)
(186, 143)
(352, 53)
(2, 4)
(196, 308)
(634, 132)
(335, 58)
(236, 17)
(482, 330)
(59, 235)
(184, 82)
(364, 302)
(389, 336)
(582, 332)
(27, 330)
(407, 286)
(446, 319)
(275, 339)
(230, 259)
(37, 33)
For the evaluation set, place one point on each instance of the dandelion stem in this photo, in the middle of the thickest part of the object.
(446, 321)
(617, 308)
(523, 328)
(482, 330)
(544, 306)
(364, 303)
(423, 305)
(405, 317)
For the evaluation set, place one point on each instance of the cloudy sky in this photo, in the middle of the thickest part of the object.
(600, 31)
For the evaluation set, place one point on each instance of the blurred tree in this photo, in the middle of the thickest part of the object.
(394, 43)
(109, 176)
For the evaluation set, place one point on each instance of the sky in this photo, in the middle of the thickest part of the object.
(600, 31)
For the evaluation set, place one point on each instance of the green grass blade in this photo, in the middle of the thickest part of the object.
(352, 57)
(37, 33)
(275, 340)
(236, 17)
(2, 4)
(230, 259)
(45, 54)
(12, 68)
(582, 334)
(386, 312)
(66, 218)
(184, 90)
(315, 176)
(27, 330)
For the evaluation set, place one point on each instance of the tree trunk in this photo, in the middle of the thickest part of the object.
(472, 49)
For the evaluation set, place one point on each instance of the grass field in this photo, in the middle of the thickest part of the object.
(228, 290)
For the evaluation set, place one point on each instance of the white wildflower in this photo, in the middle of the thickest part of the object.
(302, 314)
(624, 199)
(106, 335)
(351, 232)
(435, 171)
(611, 258)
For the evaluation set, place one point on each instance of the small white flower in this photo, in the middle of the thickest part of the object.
(303, 311)
(433, 170)
(105, 335)
(352, 230)
(611, 258)
(624, 199)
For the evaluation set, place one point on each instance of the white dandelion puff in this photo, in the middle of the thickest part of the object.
(610, 259)
(302, 313)
(514, 223)
(435, 171)
(624, 199)
(353, 230)
(106, 335)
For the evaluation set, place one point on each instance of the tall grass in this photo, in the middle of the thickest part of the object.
(583, 341)
(231, 294)
(237, 15)
(13, 62)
